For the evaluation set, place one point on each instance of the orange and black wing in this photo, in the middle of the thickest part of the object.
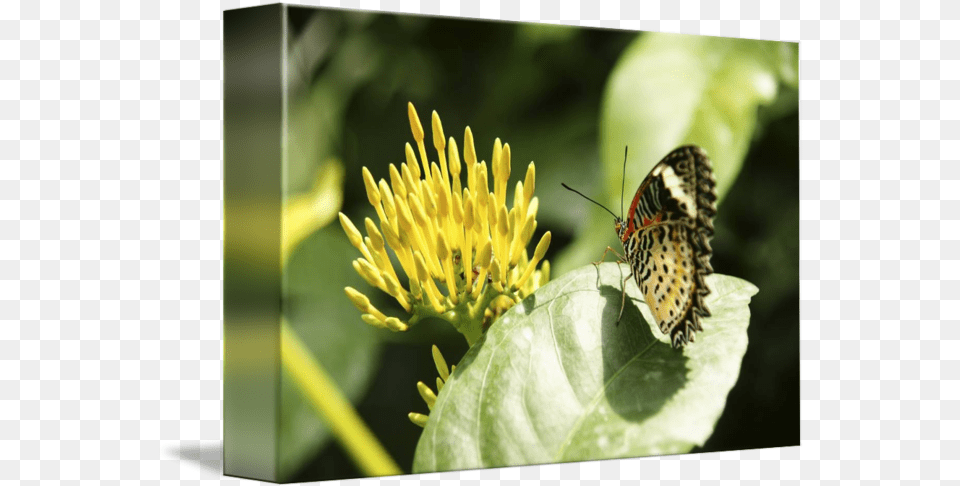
(670, 224)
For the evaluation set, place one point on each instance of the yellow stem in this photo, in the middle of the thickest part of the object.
(322, 392)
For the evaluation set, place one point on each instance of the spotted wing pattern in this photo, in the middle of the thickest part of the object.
(667, 240)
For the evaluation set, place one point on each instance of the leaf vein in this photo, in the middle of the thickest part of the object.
(596, 400)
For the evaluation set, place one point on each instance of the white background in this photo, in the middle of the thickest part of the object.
(110, 237)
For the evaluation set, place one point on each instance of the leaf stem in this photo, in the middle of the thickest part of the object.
(323, 393)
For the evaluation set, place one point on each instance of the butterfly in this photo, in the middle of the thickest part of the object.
(666, 240)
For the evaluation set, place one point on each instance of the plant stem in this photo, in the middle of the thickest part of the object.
(467, 323)
(322, 392)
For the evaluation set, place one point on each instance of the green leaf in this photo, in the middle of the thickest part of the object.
(330, 327)
(672, 89)
(669, 90)
(557, 379)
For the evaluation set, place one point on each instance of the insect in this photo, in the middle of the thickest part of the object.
(666, 240)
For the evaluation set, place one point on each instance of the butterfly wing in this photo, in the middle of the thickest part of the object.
(670, 226)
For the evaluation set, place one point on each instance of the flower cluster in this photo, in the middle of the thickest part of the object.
(462, 250)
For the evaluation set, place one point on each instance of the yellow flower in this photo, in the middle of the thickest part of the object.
(426, 392)
(461, 250)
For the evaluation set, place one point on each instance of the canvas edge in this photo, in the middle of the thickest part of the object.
(252, 174)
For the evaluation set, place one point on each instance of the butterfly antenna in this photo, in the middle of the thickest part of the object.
(623, 178)
(587, 198)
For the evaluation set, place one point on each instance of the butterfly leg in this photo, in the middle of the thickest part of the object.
(623, 296)
(608, 250)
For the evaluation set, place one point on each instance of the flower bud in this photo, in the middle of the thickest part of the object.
(415, 125)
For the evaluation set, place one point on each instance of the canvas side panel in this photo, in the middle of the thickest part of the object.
(252, 124)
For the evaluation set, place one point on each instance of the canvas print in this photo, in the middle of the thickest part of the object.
(456, 244)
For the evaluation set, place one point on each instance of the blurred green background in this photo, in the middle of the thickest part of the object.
(565, 98)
